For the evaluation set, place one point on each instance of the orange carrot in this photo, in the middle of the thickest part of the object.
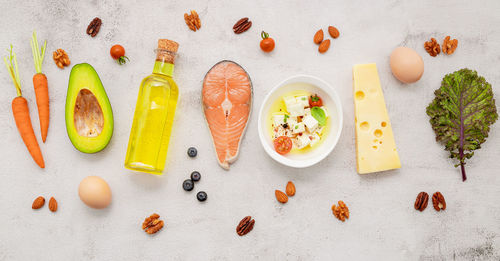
(42, 102)
(21, 113)
(23, 121)
(40, 86)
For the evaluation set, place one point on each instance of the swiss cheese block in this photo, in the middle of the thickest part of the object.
(375, 145)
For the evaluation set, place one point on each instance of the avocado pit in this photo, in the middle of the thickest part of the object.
(88, 115)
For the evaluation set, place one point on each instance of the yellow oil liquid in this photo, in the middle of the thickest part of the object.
(153, 120)
(279, 107)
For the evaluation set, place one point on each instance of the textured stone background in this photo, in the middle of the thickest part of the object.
(383, 223)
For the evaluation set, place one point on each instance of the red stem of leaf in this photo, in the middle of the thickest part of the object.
(462, 167)
(462, 164)
(462, 139)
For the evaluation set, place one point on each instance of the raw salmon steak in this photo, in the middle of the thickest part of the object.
(227, 102)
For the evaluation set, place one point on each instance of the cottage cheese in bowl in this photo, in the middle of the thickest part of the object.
(300, 121)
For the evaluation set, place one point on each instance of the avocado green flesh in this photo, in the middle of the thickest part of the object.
(89, 118)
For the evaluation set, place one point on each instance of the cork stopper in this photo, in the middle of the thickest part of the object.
(166, 51)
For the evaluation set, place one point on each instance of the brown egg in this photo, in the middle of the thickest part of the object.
(406, 65)
(94, 192)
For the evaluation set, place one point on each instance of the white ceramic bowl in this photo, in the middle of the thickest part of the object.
(330, 100)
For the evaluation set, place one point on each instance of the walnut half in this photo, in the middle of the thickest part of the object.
(341, 211)
(432, 47)
(449, 45)
(152, 224)
(61, 58)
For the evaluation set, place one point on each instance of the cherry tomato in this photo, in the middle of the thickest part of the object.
(283, 145)
(315, 101)
(118, 53)
(266, 44)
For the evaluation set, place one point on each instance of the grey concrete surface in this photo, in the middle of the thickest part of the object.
(383, 223)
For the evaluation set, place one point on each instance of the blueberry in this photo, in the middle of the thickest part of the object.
(201, 196)
(192, 152)
(195, 176)
(188, 185)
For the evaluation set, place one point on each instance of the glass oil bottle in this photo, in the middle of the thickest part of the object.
(154, 114)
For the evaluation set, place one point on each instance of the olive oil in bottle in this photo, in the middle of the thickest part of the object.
(154, 114)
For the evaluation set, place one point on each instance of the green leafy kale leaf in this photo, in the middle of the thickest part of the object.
(461, 114)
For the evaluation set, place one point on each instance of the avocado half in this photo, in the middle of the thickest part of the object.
(89, 118)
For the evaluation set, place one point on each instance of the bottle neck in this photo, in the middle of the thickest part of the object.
(164, 68)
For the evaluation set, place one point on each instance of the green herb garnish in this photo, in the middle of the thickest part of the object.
(286, 118)
(296, 126)
(461, 114)
(319, 115)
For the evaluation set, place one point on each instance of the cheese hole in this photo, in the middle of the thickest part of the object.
(364, 126)
(375, 140)
(374, 147)
(378, 133)
(380, 142)
(383, 124)
(360, 95)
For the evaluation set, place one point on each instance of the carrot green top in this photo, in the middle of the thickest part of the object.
(38, 53)
(11, 65)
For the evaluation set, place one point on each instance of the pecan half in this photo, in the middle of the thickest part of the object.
(152, 224)
(94, 27)
(193, 20)
(438, 201)
(242, 25)
(432, 47)
(449, 46)
(341, 211)
(421, 201)
(245, 226)
(61, 58)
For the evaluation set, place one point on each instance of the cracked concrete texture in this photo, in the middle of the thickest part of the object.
(383, 223)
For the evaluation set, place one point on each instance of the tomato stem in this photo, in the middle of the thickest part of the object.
(264, 35)
(122, 60)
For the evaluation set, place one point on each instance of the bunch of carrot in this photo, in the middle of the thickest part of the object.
(20, 108)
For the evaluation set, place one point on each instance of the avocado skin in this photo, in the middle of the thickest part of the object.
(84, 76)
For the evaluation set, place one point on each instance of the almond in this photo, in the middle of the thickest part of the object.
(323, 47)
(53, 204)
(281, 197)
(290, 189)
(333, 31)
(38, 203)
(318, 37)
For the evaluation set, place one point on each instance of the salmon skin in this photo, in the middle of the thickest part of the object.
(227, 102)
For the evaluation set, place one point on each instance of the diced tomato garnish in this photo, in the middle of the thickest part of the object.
(283, 144)
(315, 101)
